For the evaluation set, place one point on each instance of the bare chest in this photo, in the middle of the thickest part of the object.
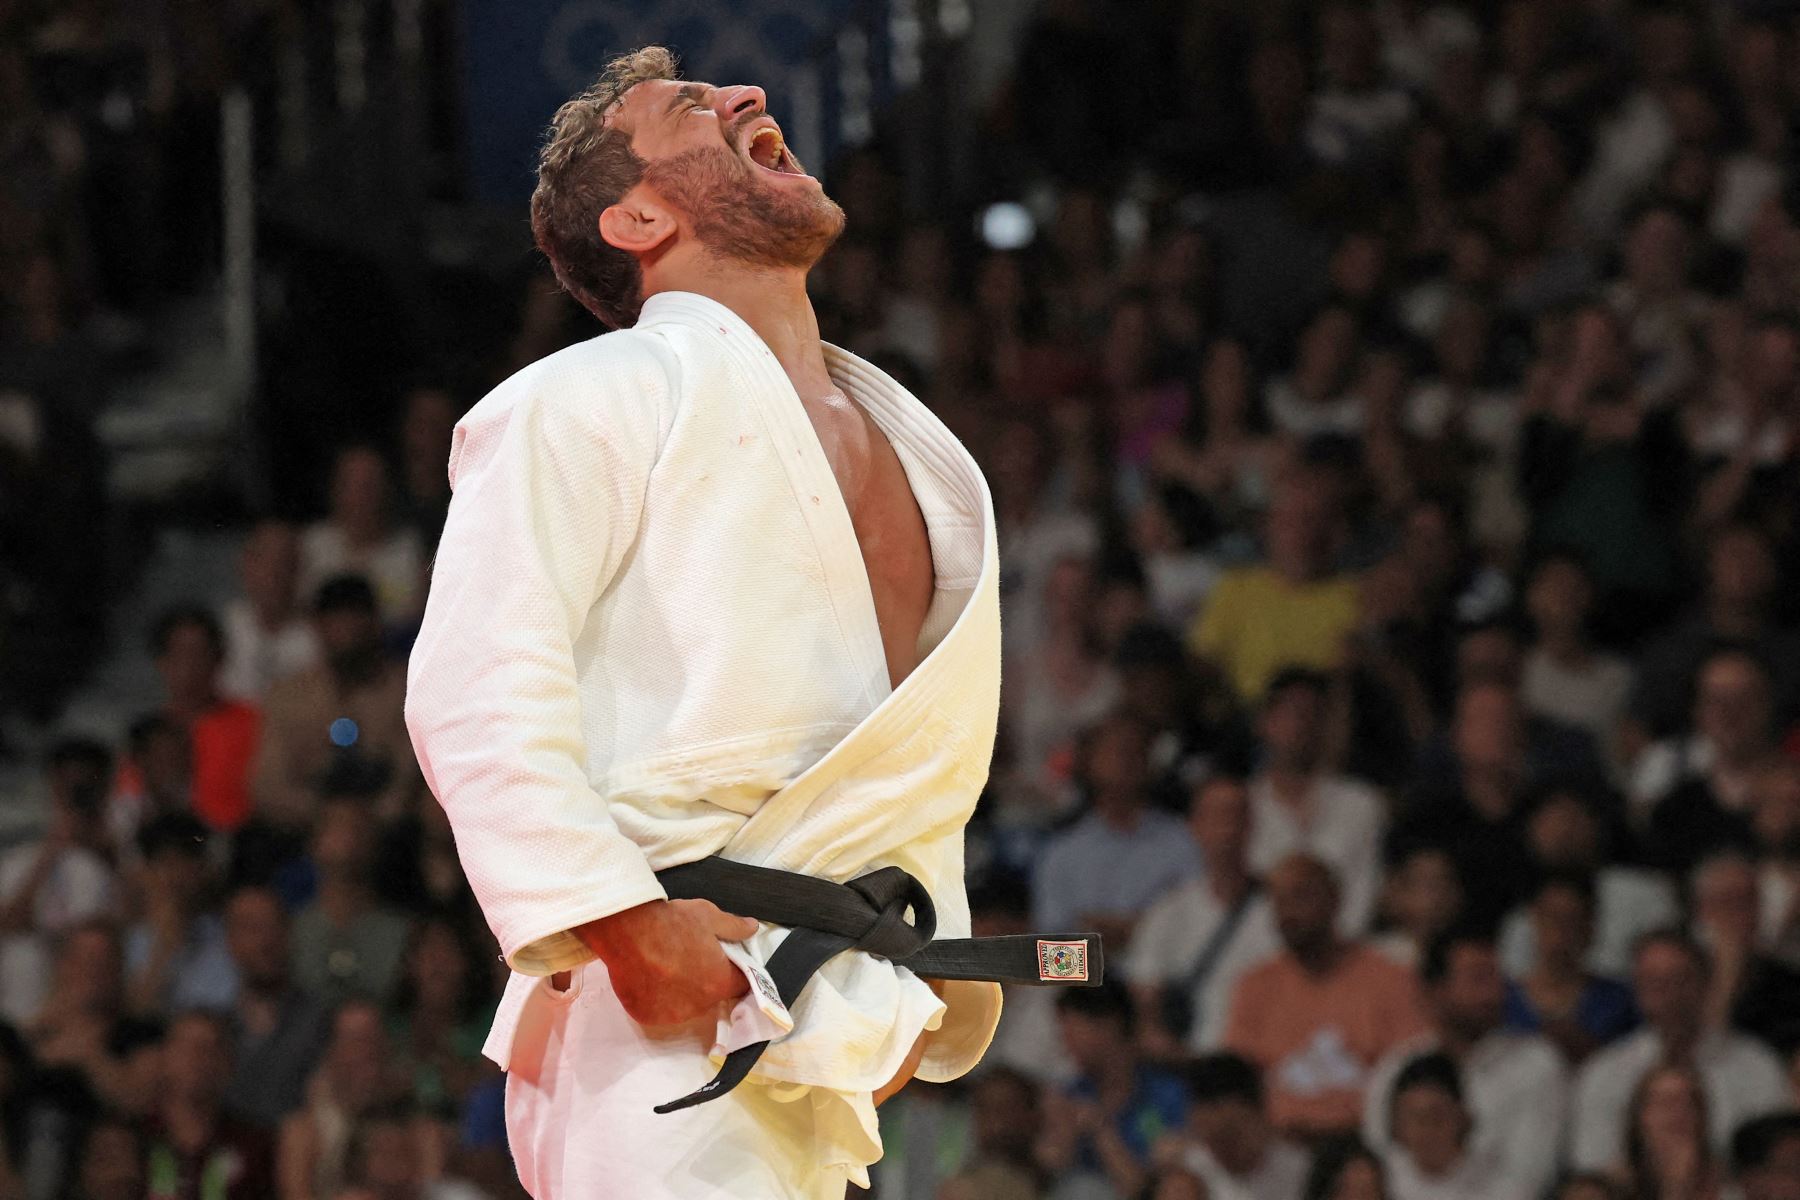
(890, 530)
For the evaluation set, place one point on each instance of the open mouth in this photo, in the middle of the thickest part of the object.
(768, 151)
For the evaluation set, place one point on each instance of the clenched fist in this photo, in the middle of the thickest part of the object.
(665, 958)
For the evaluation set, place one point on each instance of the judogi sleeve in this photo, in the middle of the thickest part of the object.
(549, 475)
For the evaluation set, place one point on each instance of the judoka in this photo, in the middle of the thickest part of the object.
(708, 587)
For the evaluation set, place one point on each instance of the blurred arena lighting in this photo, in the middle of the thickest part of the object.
(1007, 225)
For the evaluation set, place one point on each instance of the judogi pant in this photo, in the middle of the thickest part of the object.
(580, 1089)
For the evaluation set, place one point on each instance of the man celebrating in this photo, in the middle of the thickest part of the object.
(707, 587)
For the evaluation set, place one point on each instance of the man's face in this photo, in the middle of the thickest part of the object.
(1671, 988)
(1731, 708)
(1304, 898)
(1292, 726)
(256, 935)
(1220, 820)
(1472, 996)
(715, 156)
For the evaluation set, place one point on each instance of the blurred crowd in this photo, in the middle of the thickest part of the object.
(1392, 412)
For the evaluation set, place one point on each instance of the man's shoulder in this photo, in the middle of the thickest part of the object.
(619, 375)
(1620, 1063)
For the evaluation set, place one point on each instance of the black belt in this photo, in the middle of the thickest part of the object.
(868, 913)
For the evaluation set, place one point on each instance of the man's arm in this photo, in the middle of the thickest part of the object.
(549, 490)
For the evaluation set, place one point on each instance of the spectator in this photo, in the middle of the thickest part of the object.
(1228, 1141)
(1558, 995)
(112, 1162)
(1005, 1113)
(1749, 991)
(1765, 1157)
(1065, 684)
(1106, 869)
(1514, 1086)
(1668, 1151)
(194, 1149)
(1317, 1018)
(1193, 944)
(1294, 611)
(1566, 680)
(1570, 831)
(1424, 899)
(1107, 1120)
(350, 706)
(1345, 1169)
(50, 886)
(1298, 804)
(278, 1031)
(156, 780)
(360, 537)
(1695, 792)
(176, 956)
(1737, 608)
(77, 1033)
(1775, 817)
(1587, 1185)
(345, 944)
(1741, 1077)
(428, 419)
(390, 1155)
(267, 636)
(1433, 1153)
(442, 1015)
(189, 647)
(358, 1075)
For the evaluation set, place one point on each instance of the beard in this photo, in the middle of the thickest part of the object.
(737, 214)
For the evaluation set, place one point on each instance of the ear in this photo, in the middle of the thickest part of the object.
(638, 223)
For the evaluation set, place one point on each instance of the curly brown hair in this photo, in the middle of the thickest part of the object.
(586, 165)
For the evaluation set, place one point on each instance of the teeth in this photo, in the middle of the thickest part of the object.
(769, 131)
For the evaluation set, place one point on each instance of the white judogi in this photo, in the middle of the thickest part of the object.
(649, 638)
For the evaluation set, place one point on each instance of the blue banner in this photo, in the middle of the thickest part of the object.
(525, 57)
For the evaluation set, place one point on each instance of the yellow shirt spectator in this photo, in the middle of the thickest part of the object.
(1258, 621)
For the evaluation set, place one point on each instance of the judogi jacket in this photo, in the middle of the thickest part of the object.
(650, 637)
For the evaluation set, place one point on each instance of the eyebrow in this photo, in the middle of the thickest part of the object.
(687, 91)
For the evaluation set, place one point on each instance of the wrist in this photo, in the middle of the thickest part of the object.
(615, 937)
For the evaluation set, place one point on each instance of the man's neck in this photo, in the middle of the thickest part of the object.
(773, 302)
(1291, 782)
(1321, 959)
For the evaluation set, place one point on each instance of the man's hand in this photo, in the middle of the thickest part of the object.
(665, 960)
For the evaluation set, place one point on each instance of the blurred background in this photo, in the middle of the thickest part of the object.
(1391, 412)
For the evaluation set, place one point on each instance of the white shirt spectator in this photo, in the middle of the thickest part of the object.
(1298, 417)
(1592, 698)
(1341, 821)
(1743, 1078)
(1096, 867)
(395, 568)
(1517, 1088)
(1628, 903)
(1178, 928)
(1280, 1176)
(79, 887)
(255, 658)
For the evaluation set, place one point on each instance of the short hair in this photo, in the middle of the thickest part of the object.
(1434, 964)
(345, 593)
(1224, 1077)
(1289, 678)
(176, 617)
(79, 752)
(1579, 882)
(1437, 1070)
(1670, 935)
(1108, 1002)
(177, 831)
(586, 166)
(1332, 1158)
(146, 729)
(1756, 1140)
